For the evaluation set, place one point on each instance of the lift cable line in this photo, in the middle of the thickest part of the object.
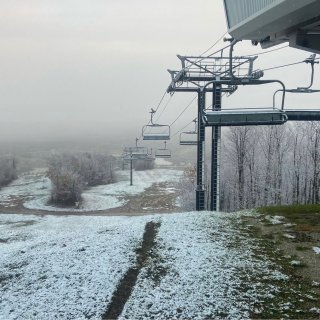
(267, 51)
(183, 111)
(177, 132)
(165, 107)
(212, 46)
(286, 65)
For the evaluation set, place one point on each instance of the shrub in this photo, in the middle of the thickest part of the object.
(71, 173)
(7, 170)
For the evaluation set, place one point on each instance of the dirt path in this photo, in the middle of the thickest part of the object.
(127, 283)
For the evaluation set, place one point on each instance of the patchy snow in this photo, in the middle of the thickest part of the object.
(275, 219)
(289, 236)
(68, 267)
(295, 263)
(315, 310)
(35, 188)
(63, 267)
(207, 264)
(316, 250)
(162, 162)
(289, 225)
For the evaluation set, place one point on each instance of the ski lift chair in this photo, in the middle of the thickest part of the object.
(155, 131)
(163, 152)
(188, 138)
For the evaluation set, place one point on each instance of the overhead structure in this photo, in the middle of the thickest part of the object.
(224, 74)
(189, 138)
(155, 131)
(164, 153)
(271, 22)
(194, 76)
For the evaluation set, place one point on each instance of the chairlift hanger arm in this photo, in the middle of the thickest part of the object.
(307, 89)
(250, 73)
(312, 61)
(247, 81)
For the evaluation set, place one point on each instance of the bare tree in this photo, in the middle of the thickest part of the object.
(187, 186)
(314, 151)
(238, 142)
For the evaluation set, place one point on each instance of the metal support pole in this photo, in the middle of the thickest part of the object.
(200, 192)
(131, 167)
(215, 152)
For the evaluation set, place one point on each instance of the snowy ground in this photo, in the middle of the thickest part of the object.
(202, 266)
(63, 267)
(34, 189)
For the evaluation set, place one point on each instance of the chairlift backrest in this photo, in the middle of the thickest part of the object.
(155, 131)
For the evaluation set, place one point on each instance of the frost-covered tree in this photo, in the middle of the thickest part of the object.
(8, 170)
(187, 186)
(270, 165)
(71, 173)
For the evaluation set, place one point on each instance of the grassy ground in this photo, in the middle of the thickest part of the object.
(306, 217)
(289, 242)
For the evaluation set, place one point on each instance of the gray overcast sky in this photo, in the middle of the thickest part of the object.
(94, 68)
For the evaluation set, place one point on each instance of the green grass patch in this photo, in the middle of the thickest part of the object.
(306, 217)
(291, 209)
(302, 248)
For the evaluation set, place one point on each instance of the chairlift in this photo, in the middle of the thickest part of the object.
(136, 152)
(189, 138)
(155, 131)
(163, 152)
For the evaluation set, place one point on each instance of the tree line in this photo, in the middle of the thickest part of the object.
(270, 165)
(263, 165)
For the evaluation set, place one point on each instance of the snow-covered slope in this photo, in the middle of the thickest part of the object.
(34, 190)
(68, 267)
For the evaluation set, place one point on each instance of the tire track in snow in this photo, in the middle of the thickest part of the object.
(127, 283)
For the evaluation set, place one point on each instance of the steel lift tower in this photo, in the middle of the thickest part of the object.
(195, 75)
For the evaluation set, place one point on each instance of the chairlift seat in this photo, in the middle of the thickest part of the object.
(188, 138)
(244, 117)
(303, 115)
(163, 153)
